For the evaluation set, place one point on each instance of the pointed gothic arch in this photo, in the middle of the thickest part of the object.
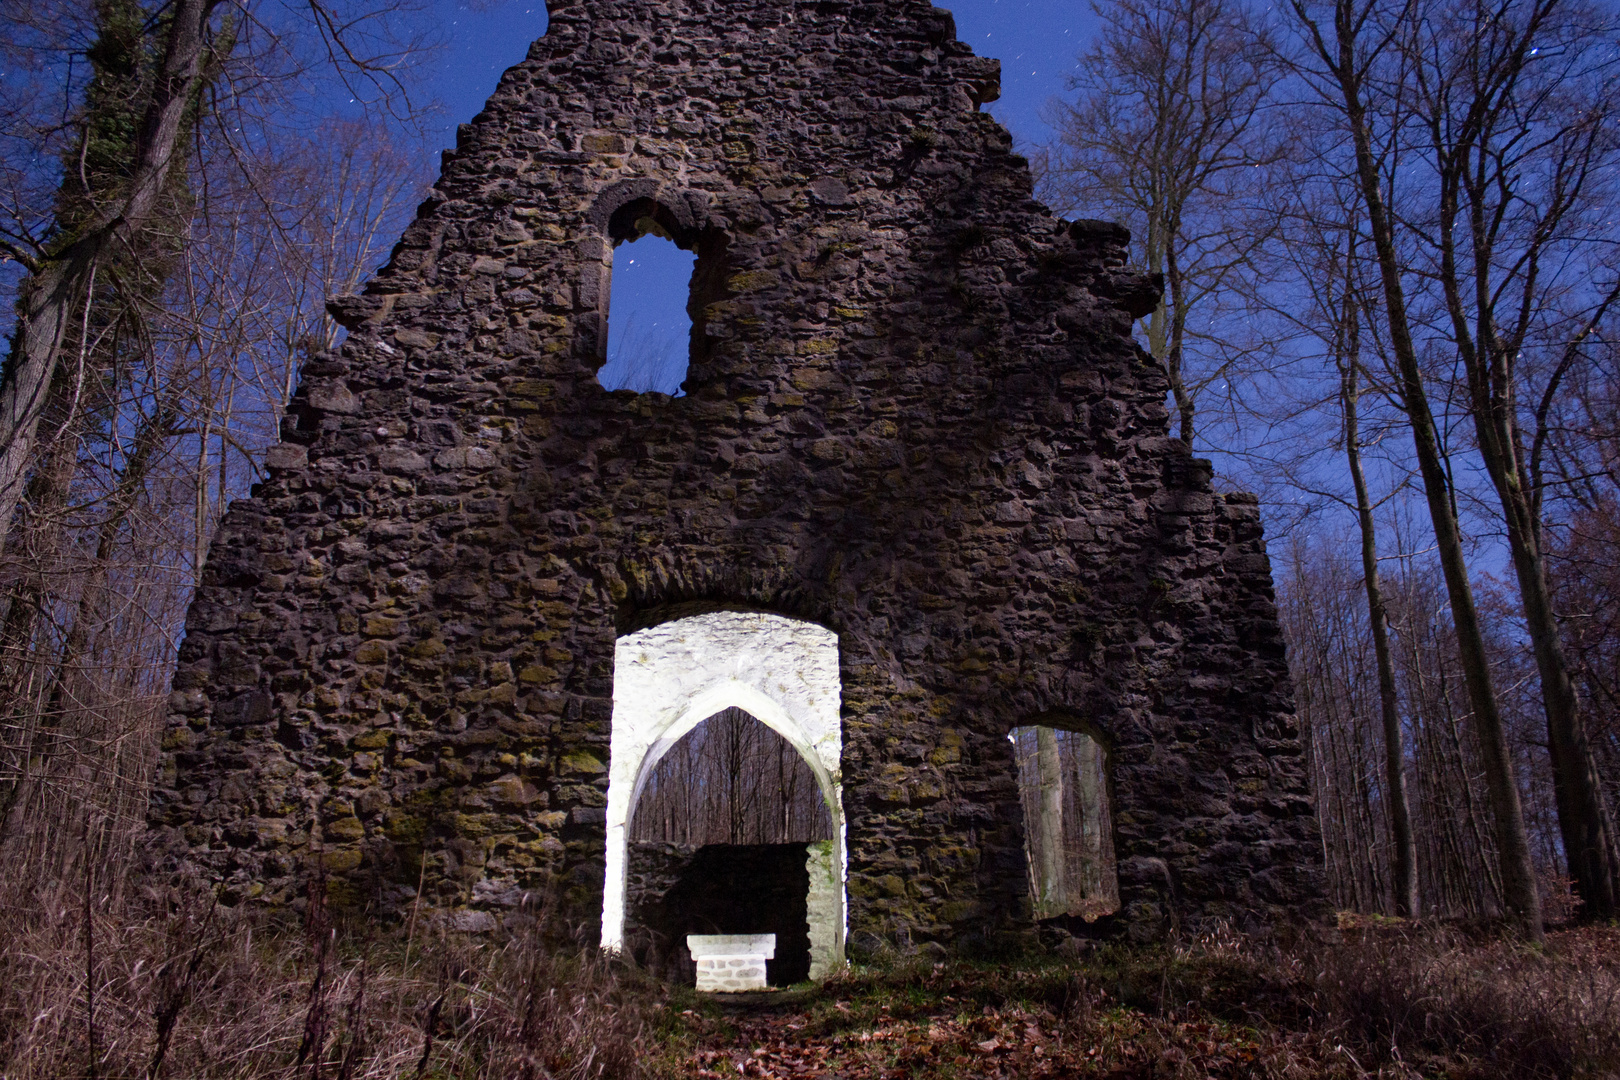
(671, 677)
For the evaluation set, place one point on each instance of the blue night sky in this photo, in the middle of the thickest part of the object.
(1035, 40)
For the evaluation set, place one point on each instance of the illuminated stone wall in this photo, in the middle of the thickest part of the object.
(669, 678)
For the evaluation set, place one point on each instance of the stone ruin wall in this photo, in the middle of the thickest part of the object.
(914, 415)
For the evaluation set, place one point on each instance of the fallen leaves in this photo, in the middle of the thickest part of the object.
(1004, 1043)
(1217, 1018)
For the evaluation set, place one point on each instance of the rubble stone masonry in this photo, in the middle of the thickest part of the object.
(914, 415)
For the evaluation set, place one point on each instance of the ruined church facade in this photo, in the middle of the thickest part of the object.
(918, 491)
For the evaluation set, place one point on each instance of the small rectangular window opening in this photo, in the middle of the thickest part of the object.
(1068, 827)
(649, 327)
(661, 280)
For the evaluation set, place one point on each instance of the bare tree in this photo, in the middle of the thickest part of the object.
(1337, 691)
(1321, 292)
(99, 230)
(1405, 885)
(185, 352)
(1068, 827)
(731, 780)
(1483, 141)
(1350, 64)
(1165, 135)
(1327, 652)
(1520, 119)
(62, 274)
(1046, 855)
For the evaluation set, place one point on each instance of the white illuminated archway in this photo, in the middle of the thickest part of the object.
(669, 678)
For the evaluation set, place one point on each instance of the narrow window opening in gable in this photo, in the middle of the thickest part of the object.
(649, 330)
(663, 277)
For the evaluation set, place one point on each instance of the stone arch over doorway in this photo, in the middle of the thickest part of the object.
(671, 677)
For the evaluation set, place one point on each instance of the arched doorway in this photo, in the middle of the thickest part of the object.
(730, 836)
(670, 678)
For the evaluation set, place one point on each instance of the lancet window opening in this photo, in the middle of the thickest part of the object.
(660, 276)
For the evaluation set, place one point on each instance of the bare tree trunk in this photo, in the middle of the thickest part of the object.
(200, 515)
(1050, 766)
(1168, 324)
(1400, 813)
(1513, 848)
(1470, 152)
(1092, 821)
(59, 283)
(1186, 403)
(1583, 818)
(21, 662)
(91, 611)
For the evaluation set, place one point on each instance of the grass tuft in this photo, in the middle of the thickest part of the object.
(204, 992)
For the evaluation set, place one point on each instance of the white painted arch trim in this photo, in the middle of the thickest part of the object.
(669, 678)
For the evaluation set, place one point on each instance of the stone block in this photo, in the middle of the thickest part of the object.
(731, 963)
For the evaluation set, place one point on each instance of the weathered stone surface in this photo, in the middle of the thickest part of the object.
(914, 415)
(671, 677)
(656, 867)
(824, 909)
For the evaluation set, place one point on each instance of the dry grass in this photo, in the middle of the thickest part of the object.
(1395, 999)
(204, 993)
(1440, 999)
(1387, 1003)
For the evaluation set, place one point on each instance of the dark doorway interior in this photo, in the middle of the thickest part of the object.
(719, 889)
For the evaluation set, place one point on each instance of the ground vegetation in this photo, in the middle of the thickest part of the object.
(171, 989)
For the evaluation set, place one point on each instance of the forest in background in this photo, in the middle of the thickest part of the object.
(731, 780)
(175, 216)
(1387, 237)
